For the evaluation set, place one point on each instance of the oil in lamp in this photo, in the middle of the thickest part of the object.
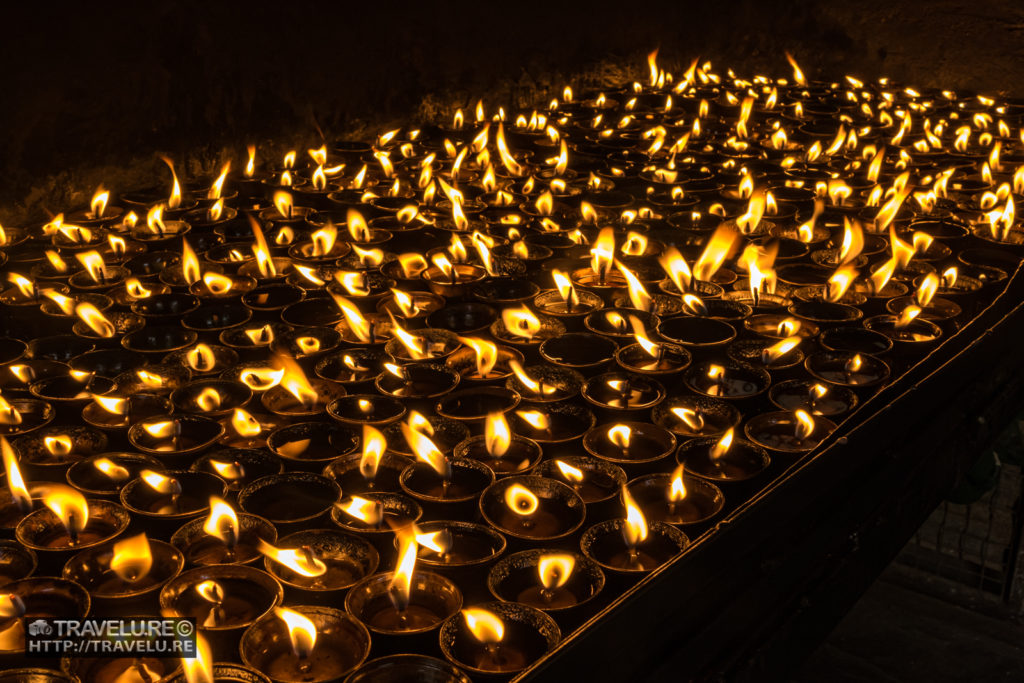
(500, 449)
(632, 445)
(498, 638)
(305, 644)
(103, 475)
(311, 446)
(290, 500)
(367, 409)
(313, 564)
(404, 602)
(543, 383)
(68, 524)
(126, 574)
(789, 432)
(548, 581)
(16, 562)
(224, 600)
(813, 397)
(724, 459)
(730, 381)
(778, 357)
(632, 545)
(701, 336)
(532, 508)
(581, 352)
(115, 414)
(677, 498)
(223, 537)
(847, 368)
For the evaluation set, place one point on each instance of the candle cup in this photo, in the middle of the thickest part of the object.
(46, 454)
(436, 346)
(159, 339)
(527, 346)
(583, 352)
(550, 384)
(662, 305)
(107, 669)
(771, 326)
(47, 597)
(163, 308)
(250, 346)
(505, 291)
(59, 347)
(16, 377)
(667, 360)
(233, 290)
(529, 634)
(162, 513)
(16, 562)
(778, 432)
(515, 579)
(741, 462)
(614, 323)
(291, 500)
(599, 486)
(347, 559)
(801, 394)
(943, 312)
(96, 478)
(312, 312)
(405, 667)
(463, 318)
(702, 502)
(825, 314)
(446, 434)
(138, 406)
(33, 414)
(856, 340)
(393, 510)
(472, 406)
(201, 549)
(647, 445)
(354, 369)
(310, 446)
(559, 512)
(433, 598)
(342, 645)
(186, 436)
(211, 397)
(619, 395)
(347, 471)
(238, 467)
(735, 382)
(522, 455)
(706, 416)
(68, 395)
(754, 352)
(357, 410)
(419, 386)
(224, 359)
(248, 595)
(469, 549)
(284, 404)
(605, 287)
(423, 304)
(566, 423)
(702, 336)
(837, 367)
(552, 303)
(604, 543)
(214, 318)
(449, 499)
(42, 532)
(114, 596)
(457, 285)
(268, 301)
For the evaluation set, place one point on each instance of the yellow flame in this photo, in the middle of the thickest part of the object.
(303, 563)
(926, 290)
(174, 201)
(691, 418)
(295, 382)
(15, 482)
(486, 354)
(839, 282)
(677, 489)
(111, 469)
(425, 449)
(244, 423)
(497, 435)
(521, 322)
(602, 253)
(111, 404)
(60, 444)
(132, 558)
(719, 247)
(804, 424)
(779, 349)
(722, 446)
(485, 626)
(635, 530)
(620, 435)
(95, 320)
(301, 631)
(69, 505)
(798, 75)
(521, 500)
(160, 483)
(907, 316)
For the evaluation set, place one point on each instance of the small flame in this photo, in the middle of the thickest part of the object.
(357, 226)
(295, 382)
(365, 510)
(907, 316)
(497, 435)
(521, 500)
(676, 268)
(208, 399)
(301, 631)
(691, 418)
(284, 203)
(638, 296)
(565, 288)
(401, 580)
(174, 201)
(677, 489)
(199, 669)
(161, 483)
(804, 424)
(535, 387)
(635, 530)
(374, 446)
(485, 626)
(136, 290)
(190, 269)
(722, 446)
(535, 419)
(95, 320)
(98, 204)
(359, 325)
(853, 241)
(521, 322)
(302, 562)
(776, 351)
(58, 445)
(603, 253)
(926, 290)
(150, 379)
(245, 424)
(620, 435)
(57, 263)
(201, 358)
(571, 473)
(111, 404)
(161, 430)
(426, 450)
(720, 247)
(212, 592)
(132, 558)
(307, 345)
(486, 354)
(228, 470)
(15, 482)
(839, 282)
(69, 505)
(798, 75)
(111, 469)
(554, 570)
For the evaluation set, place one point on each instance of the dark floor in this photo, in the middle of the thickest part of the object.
(896, 632)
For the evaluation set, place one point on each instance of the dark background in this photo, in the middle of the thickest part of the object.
(92, 92)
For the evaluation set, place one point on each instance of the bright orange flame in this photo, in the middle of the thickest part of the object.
(132, 558)
(722, 446)
(839, 282)
(571, 473)
(160, 483)
(302, 562)
(603, 253)
(426, 450)
(554, 570)
(136, 290)
(853, 241)
(401, 580)
(58, 445)
(228, 470)
(98, 204)
(208, 399)
(161, 430)
(359, 325)
(244, 423)
(111, 404)
(620, 435)
(374, 446)
(676, 268)
(190, 269)
(531, 384)
(295, 382)
(497, 435)
(199, 669)
(635, 530)
(691, 418)
(926, 290)
(200, 357)
(174, 201)
(535, 419)
(486, 354)
(301, 631)
(565, 288)
(779, 349)
(218, 284)
(485, 626)
(96, 321)
(521, 322)
(521, 500)
(365, 510)
(150, 379)
(907, 316)
(720, 246)
(15, 482)
(65, 303)
(111, 469)
(638, 296)
(677, 489)
(69, 505)
(804, 424)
